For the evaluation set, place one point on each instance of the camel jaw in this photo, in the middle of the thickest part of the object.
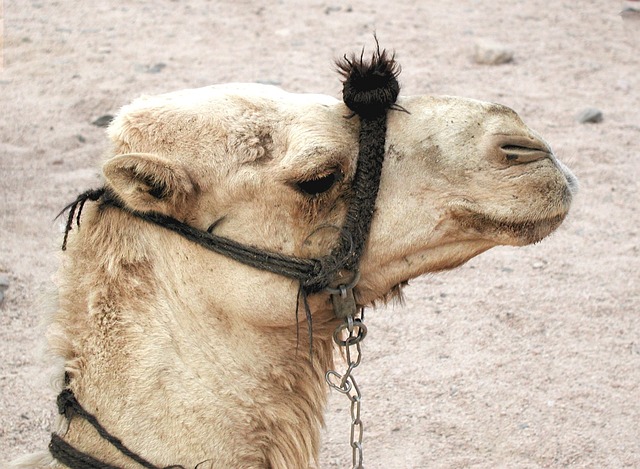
(511, 232)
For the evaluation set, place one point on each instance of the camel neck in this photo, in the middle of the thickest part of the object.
(174, 376)
(182, 365)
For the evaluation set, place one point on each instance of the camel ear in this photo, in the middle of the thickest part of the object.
(147, 182)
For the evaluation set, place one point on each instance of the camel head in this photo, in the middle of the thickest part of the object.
(274, 170)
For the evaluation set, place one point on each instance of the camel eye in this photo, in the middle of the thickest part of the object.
(518, 154)
(317, 185)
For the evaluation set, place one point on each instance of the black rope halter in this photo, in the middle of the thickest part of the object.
(370, 90)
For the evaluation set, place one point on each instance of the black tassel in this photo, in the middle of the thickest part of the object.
(370, 88)
(78, 204)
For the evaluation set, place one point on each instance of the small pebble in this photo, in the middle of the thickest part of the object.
(103, 121)
(269, 81)
(4, 285)
(144, 68)
(157, 68)
(590, 115)
(492, 53)
(630, 13)
(4, 282)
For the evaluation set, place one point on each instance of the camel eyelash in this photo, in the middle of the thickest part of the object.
(318, 184)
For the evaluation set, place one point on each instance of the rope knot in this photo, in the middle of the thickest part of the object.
(370, 88)
(321, 275)
(67, 403)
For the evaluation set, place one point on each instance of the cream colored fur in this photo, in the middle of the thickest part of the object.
(188, 356)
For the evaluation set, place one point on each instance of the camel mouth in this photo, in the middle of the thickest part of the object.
(514, 232)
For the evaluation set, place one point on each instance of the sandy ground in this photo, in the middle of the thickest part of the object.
(522, 358)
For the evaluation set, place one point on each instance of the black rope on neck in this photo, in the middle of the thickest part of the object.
(71, 457)
(69, 406)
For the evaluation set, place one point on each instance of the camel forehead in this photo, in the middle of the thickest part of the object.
(242, 115)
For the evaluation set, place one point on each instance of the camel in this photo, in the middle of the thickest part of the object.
(194, 359)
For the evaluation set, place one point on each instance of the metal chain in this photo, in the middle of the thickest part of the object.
(346, 384)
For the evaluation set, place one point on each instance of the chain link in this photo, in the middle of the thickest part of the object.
(346, 383)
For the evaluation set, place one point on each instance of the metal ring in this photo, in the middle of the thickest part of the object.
(342, 288)
(337, 387)
(357, 324)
